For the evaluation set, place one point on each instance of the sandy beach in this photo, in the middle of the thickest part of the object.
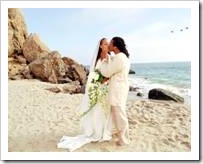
(38, 118)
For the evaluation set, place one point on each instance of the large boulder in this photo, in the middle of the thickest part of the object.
(75, 71)
(161, 94)
(50, 68)
(34, 48)
(17, 31)
(17, 34)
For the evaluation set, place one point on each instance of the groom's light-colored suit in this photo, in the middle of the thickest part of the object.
(117, 69)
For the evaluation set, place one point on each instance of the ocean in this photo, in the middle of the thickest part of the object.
(173, 76)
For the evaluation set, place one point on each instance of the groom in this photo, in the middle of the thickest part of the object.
(117, 70)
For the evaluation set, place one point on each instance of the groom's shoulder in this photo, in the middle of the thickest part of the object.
(122, 55)
(124, 59)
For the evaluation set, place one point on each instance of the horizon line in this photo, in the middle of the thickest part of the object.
(154, 62)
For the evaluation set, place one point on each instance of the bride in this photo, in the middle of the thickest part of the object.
(96, 124)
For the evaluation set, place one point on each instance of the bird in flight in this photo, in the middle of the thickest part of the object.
(172, 31)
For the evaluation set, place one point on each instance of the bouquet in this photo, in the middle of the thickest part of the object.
(96, 92)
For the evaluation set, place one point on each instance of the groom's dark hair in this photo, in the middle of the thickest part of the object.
(120, 44)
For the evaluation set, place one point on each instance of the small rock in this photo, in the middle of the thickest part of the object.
(62, 80)
(131, 72)
(140, 94)
(55, 89)
(134, 89)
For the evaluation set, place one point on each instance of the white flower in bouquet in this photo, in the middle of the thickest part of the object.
(96, 91)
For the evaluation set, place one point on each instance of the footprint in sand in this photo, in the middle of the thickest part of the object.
(132, 122)
(185, 136)
(165, 141)
(181, 119)
(170, 139)
(154, 148)
(187, 144)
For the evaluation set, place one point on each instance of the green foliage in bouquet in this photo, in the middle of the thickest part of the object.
(99, 77)
(95, 89)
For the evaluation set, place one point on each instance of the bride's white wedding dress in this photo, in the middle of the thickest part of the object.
(96, 124)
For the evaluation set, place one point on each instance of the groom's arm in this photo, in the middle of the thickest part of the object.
(108, 69)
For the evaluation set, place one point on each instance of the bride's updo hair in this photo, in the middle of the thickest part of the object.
(120, 44)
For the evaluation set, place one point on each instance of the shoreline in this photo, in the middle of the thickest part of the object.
(132, 95)
(172, 76)
(38, 118)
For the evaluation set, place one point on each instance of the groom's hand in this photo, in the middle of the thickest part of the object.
(104, 80)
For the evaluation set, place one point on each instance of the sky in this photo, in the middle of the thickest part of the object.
(75, 32)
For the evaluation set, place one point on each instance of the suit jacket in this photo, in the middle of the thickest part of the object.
(117, 69)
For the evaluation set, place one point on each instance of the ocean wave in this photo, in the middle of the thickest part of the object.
(145, 85)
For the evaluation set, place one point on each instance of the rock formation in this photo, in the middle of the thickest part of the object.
(29, 57)
(17, 34)
(34, 48)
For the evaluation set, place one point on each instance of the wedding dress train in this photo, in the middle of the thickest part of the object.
(96, 125)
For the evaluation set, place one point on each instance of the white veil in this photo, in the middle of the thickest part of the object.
(94, 57)
(83, 107)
